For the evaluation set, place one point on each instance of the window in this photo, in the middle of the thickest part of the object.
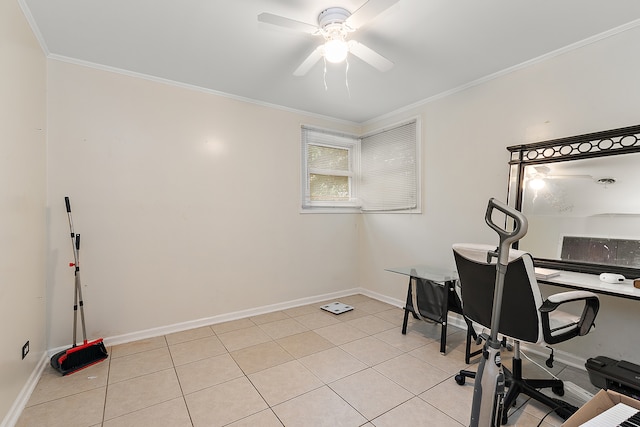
(376, 172)
(329, 161)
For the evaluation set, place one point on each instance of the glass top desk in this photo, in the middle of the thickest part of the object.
(431, 295)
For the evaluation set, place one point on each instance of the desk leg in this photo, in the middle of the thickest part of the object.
(404, 323)
(445, 310)
(443, 338)
(406, 310)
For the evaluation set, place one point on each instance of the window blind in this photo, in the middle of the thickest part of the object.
(389, 173)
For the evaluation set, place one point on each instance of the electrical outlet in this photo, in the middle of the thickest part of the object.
(25, 349)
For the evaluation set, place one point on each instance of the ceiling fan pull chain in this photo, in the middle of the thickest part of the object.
(346, 78)
(324, 75)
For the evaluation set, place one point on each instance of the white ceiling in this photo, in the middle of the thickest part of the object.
(436, 45)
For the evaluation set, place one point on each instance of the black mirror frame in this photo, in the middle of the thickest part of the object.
(613, 142)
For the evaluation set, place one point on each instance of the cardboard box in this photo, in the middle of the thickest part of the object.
(602, 401)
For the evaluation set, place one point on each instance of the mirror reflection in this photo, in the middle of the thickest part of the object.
(584, 210)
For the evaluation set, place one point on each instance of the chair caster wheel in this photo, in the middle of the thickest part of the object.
(460, 379)
(559, 390)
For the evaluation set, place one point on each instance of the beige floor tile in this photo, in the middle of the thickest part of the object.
(578, 377)
(534, 366)
(538, 411)
(371, 350)
(78, 410)
(521, 418)
(208, 372)
(301, 310)
(242, 338)
(141, 392)
(224, 403)
(172, 413)
(259, 357)
(411, 373)
(351, 315)
(304, 344)
(340, 333)
(52, 385)
(283, 328)
(371, 324)
(269, 317)
(354, 299)
(452, 399)
(264, 418)
(360, 358)
(320, 407)
(318, 319)
(451, 362)
(370, 392)
(332, 364)
(394, 315)
(415, 412)
(188, 335)
(374, 306)
(137, 346)
(407, 342)
(427, 328)
(198, 349)
(138, 364)
(284, 382)
(233, 325)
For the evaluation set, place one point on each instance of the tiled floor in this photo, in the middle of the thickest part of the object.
(297, 367)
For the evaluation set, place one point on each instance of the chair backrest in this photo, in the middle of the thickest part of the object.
(519, 318)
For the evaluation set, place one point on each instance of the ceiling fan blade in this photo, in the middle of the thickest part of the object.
(281, 21)
(309, 62)
(368, 11)
(569, 177)
(370, 56)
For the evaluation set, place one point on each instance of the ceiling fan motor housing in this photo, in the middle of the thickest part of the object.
(333, 16)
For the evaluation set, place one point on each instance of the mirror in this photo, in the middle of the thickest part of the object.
(581, 196)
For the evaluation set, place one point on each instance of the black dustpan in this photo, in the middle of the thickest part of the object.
(79, 357)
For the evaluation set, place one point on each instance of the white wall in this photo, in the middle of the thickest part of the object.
(465, 160)
(187, 204)
(22, 202)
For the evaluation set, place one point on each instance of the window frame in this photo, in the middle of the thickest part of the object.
(333, 139)
(355, 204)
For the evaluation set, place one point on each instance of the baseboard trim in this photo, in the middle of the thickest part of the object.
(207, 321)
(20, 403)
(380, 297)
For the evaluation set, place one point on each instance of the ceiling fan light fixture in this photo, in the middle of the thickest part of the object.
(336, 50)
(537, 183)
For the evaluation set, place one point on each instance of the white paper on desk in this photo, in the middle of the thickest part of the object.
(545, 273)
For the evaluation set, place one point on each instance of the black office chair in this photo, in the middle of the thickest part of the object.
(524, 316)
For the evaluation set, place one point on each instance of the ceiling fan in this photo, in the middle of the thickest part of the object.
(334, 25)
(537, 179)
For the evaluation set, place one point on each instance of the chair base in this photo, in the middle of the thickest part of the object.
(530, 387)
